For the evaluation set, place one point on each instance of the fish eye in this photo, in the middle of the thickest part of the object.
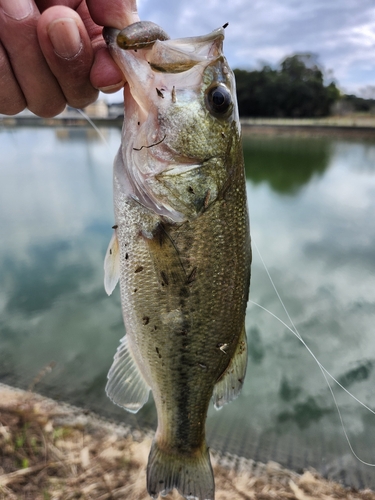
(219, 100)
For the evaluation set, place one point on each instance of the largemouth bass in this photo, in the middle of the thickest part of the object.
(181, 246)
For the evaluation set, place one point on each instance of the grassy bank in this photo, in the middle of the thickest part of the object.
(360, 120)
(351, 127)
(50, 451)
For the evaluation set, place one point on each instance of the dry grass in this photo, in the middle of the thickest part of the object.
(54, 452)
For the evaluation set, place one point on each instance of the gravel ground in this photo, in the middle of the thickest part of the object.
(52, 451)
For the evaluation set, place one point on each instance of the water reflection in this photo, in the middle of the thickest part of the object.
(255, 345)
(317, 239)
(49, 273)
(357, 374)
(288, 392)
(286, 164)
(81, 134)
(304, 414)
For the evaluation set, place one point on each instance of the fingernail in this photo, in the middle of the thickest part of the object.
(17, 9)
(112, 88)
(65, 37)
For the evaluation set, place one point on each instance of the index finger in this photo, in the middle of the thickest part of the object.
(105, 75)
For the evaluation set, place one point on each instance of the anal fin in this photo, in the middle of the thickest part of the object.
(229, 385)
(126, 386)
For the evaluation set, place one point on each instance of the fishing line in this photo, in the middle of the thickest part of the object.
(324, 371)
(98, 131)
(276, 291)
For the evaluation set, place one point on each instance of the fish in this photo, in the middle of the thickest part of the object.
(180, 248)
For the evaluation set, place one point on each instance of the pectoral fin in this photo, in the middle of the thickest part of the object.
(126, 386)
(167, 261)
(112, 264)
(230, 383)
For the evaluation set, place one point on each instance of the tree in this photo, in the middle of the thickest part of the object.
(295, 89)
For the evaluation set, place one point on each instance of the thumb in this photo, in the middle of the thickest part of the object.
(117, 14)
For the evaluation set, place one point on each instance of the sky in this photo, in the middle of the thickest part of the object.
(340, 32)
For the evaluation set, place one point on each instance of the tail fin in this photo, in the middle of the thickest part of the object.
(191, 475)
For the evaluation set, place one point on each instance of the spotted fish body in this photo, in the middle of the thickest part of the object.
(181, 249)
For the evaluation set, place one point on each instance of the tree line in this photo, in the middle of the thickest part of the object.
(297, 88)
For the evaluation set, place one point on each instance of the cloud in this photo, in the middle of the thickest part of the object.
(342, 33)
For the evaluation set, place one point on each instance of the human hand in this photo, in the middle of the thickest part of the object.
(52, 54)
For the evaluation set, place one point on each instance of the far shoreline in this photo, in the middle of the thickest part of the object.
(351, 126)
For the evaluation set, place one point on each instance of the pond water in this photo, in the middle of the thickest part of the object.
(312, 208)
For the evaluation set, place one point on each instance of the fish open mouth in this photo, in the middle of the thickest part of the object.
(175, 90)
